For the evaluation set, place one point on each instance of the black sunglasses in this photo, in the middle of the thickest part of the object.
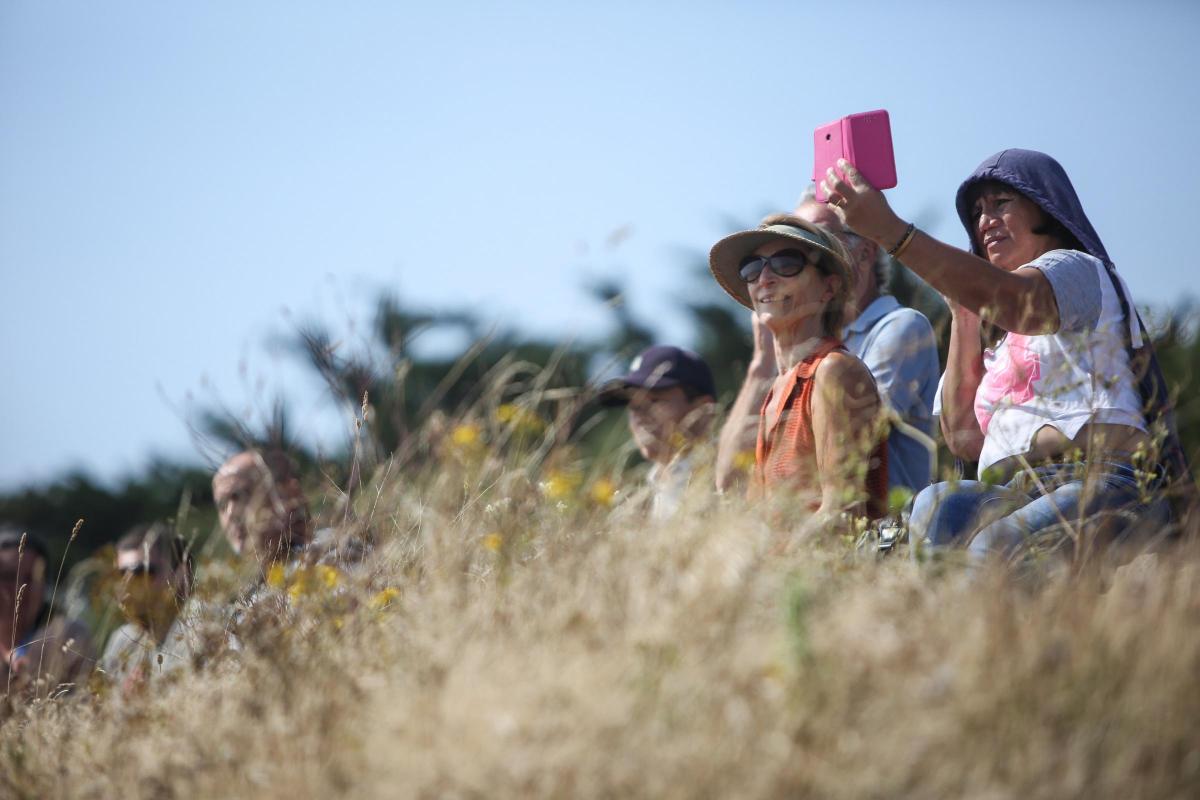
(785, 264)
(139, 569)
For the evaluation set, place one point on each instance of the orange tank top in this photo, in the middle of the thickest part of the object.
(786, 454)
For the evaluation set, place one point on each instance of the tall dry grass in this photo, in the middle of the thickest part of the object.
(544, 639)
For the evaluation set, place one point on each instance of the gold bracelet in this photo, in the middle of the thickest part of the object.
(909, 234)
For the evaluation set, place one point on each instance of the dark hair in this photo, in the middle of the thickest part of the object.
(10, 539)
(693, 392)
(158, 537)
(1049, 225)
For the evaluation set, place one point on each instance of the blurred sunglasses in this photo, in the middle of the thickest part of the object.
(785, 264)
(138, 569)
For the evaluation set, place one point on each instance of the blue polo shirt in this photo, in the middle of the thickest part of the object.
(897, 345)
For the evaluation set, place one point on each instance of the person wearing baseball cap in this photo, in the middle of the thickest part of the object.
(671, 398)
(40, 653)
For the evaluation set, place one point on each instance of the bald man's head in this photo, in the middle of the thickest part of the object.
(863, 252)
(821, 213)
(260, 503)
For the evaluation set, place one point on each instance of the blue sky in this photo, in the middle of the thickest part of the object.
(180, 183)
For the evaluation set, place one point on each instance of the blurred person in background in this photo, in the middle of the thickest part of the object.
(896, 343)
(265, 516)
(156, 574)
(38, 652)
(261, 506)
(670, 397)
(819, 424)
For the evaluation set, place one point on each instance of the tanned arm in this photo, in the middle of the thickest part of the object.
(846, 426)
(964, 372)
(1021, 301)
(740, 430)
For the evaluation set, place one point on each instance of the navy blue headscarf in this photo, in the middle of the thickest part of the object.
(1043, 180)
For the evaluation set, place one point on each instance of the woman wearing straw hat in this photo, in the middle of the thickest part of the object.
(819, 427)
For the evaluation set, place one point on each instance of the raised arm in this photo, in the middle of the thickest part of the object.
(1021, 301)
(740, 430)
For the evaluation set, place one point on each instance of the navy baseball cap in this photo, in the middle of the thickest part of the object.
(660, 367)
(11, 536)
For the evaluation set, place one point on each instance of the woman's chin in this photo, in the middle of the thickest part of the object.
(777, 322)
(1005, 260)
(771, 318)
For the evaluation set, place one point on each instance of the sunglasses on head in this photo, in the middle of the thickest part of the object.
(785, 264)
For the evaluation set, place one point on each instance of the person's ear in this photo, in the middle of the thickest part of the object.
(700, 413)
(868, 253)
(833, 285)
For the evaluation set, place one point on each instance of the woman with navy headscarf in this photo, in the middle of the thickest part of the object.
(1053, 412)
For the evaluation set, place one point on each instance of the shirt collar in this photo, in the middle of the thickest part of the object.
(680, 465)
(880, 307)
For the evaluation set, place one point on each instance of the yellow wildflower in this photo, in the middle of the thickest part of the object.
(493, 542)
(466, 436)
(384, 598)
(744, 460)
(328, 575)
(276, 576)
(311, 580)
(522, 421)
(297, 590)
(602, 492)
(560, 485)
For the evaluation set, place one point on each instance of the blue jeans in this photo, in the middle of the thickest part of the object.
(994, 520)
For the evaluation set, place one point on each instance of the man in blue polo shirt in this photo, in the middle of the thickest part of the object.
(895, 342)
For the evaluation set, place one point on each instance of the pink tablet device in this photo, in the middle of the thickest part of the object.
(865, 140)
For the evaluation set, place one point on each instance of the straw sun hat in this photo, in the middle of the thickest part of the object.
(725, 258)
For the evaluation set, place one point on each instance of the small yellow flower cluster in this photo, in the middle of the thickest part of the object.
(301, 582)
(276, 576)
(602, 492)
(566, 486)
(561, 485)
(493, 541)
(523, 422)
(467, 435)
(384, 598)
(467, 441)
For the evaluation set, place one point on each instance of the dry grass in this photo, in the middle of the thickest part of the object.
(548, 646)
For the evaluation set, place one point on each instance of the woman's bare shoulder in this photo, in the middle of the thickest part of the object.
(846, 370)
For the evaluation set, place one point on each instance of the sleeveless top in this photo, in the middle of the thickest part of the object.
(786, 455)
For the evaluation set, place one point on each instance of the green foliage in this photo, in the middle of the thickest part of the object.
(1178, 348)
(403, 388)
(163, 491)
